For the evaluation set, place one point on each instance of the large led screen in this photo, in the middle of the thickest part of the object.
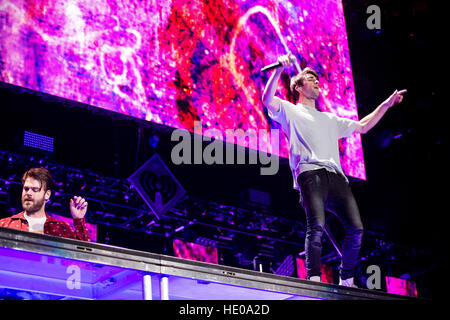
(176, 62)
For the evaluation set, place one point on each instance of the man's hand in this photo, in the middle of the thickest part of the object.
(286, 60)
(395, 98)
(78, 207)
(369, 121)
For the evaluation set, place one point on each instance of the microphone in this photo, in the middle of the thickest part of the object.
(275, 65)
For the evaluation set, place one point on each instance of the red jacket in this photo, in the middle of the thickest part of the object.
(52, 226)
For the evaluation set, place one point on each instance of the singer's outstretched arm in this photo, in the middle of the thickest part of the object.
(268, 97)
(369, 121)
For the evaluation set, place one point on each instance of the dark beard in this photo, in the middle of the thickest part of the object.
(36, 206)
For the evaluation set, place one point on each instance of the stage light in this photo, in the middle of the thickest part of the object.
(286, 267)
(38, 141)
(153, 141)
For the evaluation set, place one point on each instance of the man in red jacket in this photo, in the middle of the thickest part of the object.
(37, 185)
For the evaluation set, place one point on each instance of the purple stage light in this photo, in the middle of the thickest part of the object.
(38, 141)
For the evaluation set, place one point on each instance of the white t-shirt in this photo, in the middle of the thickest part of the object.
(313, 137)
(35, 224)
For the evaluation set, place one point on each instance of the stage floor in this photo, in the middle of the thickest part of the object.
(35, 266)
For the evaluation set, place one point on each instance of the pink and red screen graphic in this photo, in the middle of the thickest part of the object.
(326, 271)
(176, 62)
(401, 286)
(193, 251)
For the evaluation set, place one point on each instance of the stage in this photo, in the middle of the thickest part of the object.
(47, 267)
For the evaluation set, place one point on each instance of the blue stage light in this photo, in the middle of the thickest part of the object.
(38, 141)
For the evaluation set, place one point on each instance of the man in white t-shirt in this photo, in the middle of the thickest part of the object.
(314, 160)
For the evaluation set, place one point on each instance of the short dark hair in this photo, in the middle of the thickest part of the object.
(298, 79)
(40, 174)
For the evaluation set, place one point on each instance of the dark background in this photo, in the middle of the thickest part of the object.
(406, 154)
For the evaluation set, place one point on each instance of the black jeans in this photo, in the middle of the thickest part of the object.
(323, 190)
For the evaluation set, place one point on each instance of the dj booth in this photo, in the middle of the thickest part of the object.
(47, 267)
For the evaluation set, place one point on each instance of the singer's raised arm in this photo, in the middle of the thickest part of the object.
(268, 98)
